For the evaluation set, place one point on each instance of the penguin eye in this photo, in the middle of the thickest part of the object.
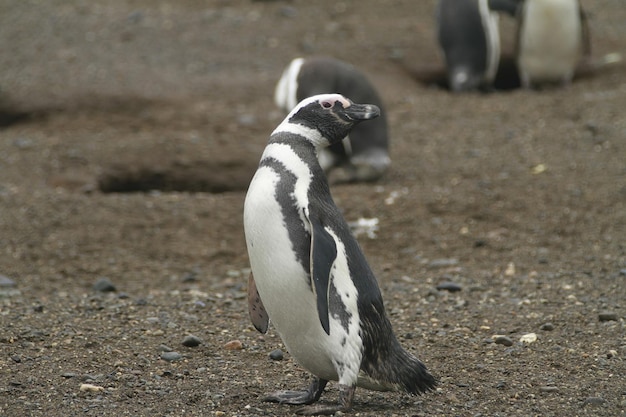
(327, 104)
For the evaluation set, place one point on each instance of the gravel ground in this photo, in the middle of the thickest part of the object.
(131, 128)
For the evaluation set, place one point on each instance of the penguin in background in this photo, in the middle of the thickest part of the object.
(468, 34)
(364, 155)
(553, 38)
(309, 275)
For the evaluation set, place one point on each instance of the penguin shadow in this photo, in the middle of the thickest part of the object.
(436, 76)
(507, 77)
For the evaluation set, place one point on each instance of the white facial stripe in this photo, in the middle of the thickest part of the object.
(285, 95)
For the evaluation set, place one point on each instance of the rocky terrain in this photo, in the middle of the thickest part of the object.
(131, 128)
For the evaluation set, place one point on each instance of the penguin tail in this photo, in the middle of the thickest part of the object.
(388, 366)
(409, 373)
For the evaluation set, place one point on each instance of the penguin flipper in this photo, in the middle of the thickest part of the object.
(323, 255)
(258, 314)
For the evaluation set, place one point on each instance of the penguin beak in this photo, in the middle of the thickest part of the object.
(359, 112)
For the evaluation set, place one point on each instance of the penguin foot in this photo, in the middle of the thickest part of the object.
(346, 395)
(312, 394)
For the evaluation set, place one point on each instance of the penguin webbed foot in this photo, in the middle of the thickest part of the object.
(308, 396)
(346, 395)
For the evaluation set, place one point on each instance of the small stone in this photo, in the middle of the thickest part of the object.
(233, 345)
(449, 286)
(548, 388)
(594, 401)
(502, 340)
(246, 119)
(607, 316)
(104, 285)
(548, 327)
(91, 388)
(528, 338)
(191, 341)
(165, 348)
(444, 262)
(190, 277)
(6, 281)
(171, 356)
(622, 272)
(276, 355)
(288, 11)
(69, 375)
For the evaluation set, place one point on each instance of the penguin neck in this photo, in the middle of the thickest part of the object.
(297, 155)
(308, 134)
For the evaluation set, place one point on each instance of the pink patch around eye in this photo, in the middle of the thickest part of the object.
(327, 104)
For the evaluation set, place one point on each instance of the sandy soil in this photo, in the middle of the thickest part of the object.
(131, 128)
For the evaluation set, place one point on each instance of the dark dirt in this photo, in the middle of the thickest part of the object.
(518, 197)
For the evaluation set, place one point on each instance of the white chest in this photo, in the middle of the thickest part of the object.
(550, 42)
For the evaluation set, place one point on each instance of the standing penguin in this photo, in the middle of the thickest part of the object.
(309, 275)
(553, 36)
(469, 38)
(364, 156)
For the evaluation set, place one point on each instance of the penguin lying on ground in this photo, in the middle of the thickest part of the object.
(553, 37)
(364, 156)
(468, 34)
(309, 275)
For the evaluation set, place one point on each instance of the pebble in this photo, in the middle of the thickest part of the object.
(191, 341)
(607, 316)
(547, 327)
(91, 388)
(246, 119)
(594, 401)
(528, 338)
(449, 286)
(233, 345)
(548, 388)
(171, 356)
(6, 281)
(277, 355)
(502, 340)
(165, 348)
(104, 285)
(288, 11)
(444, 262)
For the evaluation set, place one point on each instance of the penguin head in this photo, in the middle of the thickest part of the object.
(332, 115)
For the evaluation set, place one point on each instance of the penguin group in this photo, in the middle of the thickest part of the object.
(309, 277)
(551, 40)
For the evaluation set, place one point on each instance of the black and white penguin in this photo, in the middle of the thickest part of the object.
(469, 38)
(309, 275)
(553, 37)
(364, 156)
